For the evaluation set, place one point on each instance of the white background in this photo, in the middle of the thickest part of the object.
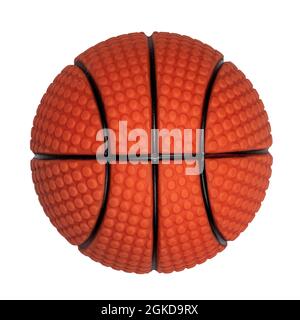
(38, 38)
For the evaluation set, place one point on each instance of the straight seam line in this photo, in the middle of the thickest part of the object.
(235, 154)
(148, 157)
(154, 150)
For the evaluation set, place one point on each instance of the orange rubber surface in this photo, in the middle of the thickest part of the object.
(124, 240)
(183, 69)
(71, 193)
(236, 188)
(67, 118)
(184, 235)
(120, 67)
(236, 118)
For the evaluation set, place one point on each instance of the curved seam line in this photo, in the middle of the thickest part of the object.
(100, 105)
(203, 181)
(153, 88)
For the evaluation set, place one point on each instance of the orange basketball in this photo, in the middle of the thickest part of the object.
(124, 200)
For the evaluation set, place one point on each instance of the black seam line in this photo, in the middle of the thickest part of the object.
(148, 157)
(203, 181)
(118, 157)
(154, 150)
(208, 93)
(237, 154)
(100, 106)
(45, 156)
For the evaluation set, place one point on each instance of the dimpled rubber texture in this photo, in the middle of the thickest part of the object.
(124, 240)
(120, 68)
(236, 188)
(236, 119)
(183, 69)
(71, 193)
(184, 235)
(67, 118)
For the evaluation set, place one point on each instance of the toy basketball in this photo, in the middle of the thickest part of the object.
(129, 200)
